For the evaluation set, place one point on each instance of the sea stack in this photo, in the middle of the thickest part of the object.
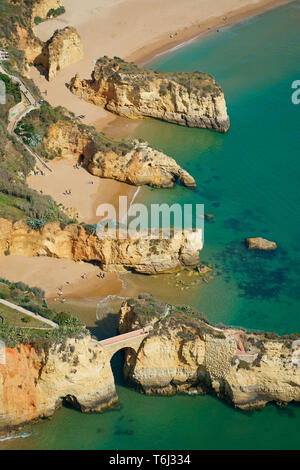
(189, 99)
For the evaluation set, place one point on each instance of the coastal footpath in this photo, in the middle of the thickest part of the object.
(188, 99)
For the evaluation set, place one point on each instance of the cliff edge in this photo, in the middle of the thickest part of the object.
(146, 255)
(132, 162)
(35, 380)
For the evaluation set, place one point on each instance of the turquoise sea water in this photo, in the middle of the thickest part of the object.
(249, 179)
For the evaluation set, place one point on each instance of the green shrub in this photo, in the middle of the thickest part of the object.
(37, 20)
(38, 292)
(26, 319)
(11, 87)
(244, 365)
(56, 12)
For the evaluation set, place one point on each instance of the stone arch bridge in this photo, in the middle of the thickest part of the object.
(133, 340)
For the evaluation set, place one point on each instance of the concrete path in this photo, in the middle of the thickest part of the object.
(17, 112)
(126, 337)
(30, 314)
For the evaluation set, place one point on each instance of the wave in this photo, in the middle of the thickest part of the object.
(106, 305)
(20, 435)
(132, 201)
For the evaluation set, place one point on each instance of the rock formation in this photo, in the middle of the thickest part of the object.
(134, 163)
(184, 353)
(61, 50)
(35, 380)
(188, 99)
(260, 244)
(144, 255)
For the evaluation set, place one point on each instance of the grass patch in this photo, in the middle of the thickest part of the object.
(33, 299)
(17, 319)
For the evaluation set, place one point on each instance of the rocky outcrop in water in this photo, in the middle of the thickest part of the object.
(35, 380)
(188, 99)
(259, 243)
(146, 254)
(133, 162)
(184, 353)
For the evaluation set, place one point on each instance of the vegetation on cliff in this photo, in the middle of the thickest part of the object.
(118, 69)
(15, 15)
(145, 310)
(185, 353)
(33, 128)
(17, 200)
(33, 299)
(188, 99)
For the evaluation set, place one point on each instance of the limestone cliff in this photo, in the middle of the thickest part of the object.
(183, 353)
(35, 380)
(144, 255)
(135, 163)
(188, 99)
(61, 50)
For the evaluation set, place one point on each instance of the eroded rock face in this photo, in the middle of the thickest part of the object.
(138, 164)
(143, 255)
(64, 49)
(185, 354)
(67, 140)
(61, 50)
(188, 99)
(259, 243)
(34, 381)
(142, 165)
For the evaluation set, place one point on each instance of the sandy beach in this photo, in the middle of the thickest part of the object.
(135, 30)
(53, 274)
(132, 29)
(87, 191)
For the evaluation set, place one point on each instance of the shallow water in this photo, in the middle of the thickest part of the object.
(248, 178)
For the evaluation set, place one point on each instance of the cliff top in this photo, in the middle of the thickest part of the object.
(146, 310)
(117, 69)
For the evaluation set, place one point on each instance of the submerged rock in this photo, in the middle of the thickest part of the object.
(259, 243)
